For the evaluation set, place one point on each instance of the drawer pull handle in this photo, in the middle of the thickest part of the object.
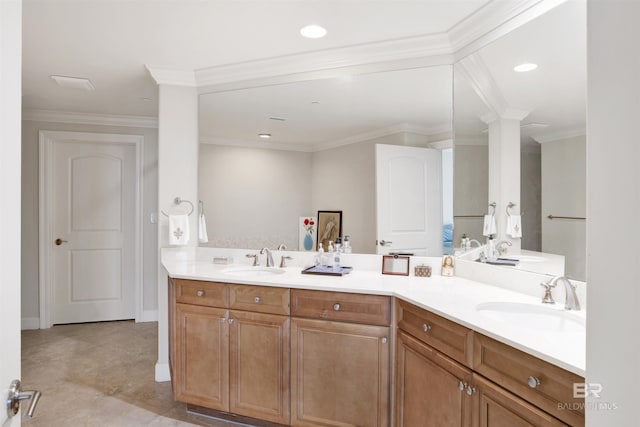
(200, 293)
(426, 327)
(470, 390)
(384, 340)
(257, 300)
(336, 307)
(462, 386)
(533, 382)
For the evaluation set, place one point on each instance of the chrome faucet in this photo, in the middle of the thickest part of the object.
(281, 247)
(474, 240)
(571, 298)
(270, 262)
(501, 248)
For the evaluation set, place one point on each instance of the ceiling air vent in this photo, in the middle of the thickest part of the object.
(73, 82)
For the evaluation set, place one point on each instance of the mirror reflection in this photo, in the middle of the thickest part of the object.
(549, 105)
(272, 156)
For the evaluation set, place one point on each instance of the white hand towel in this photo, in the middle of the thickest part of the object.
(202, 229)
(514, 226)
(178, 230)
(489, 225)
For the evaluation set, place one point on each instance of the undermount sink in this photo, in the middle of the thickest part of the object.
(533, 316)
(253, 271)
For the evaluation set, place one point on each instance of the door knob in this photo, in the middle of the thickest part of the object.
(59, 241)
(385, 243)
(15, 396)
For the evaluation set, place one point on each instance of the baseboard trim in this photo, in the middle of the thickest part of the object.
(30, 323)
(162, 372)
(149, 316)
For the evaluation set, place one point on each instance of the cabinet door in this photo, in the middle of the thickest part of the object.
(259, 365)
(202, 356)
(499, 408)
(339, 374)
(430, 387)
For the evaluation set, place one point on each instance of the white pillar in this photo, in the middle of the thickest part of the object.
(177, 177)
(613, 203)
(504, 171)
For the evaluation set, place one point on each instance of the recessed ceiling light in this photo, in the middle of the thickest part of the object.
(264, 135)
(73, 82)
(523, 68)
(313, 31)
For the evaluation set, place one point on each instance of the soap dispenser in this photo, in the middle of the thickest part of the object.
(491, 247)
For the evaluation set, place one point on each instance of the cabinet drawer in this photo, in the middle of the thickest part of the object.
(452, 339)
(197, 292)
(513, 369)
(261, 299)
(358, 308)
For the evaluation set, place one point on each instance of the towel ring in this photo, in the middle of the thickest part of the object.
(512, 205)
(178, 201)
(492, 205)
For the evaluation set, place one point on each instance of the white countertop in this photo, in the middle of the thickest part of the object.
(454, 298)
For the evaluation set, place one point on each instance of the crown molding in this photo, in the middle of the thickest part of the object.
(441, 145)
(477, 74)
(89, 118)
(493, 21)
(167, 76)
(247, 143)
(410, 52)
(559, 135)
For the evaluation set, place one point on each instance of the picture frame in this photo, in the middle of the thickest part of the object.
(448, 266)
(329, 228)
(397, 265)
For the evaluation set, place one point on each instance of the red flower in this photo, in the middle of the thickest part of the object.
(306, 221)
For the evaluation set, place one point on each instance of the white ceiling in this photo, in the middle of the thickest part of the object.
(110, 41)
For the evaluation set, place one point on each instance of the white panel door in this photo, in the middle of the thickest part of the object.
(93, 231)
(409, 200)
(10, 146)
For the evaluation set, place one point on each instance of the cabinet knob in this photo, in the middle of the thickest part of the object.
(336, 307)
(470, 390)
(384, 340)
(200, 293)
(426, 327)
(462, 386)
(533, 382)
(257, 300)
(231, 321)
(223, 319)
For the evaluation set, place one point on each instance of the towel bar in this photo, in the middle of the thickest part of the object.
(178, 201)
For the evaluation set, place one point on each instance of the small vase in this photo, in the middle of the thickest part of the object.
(308, 242)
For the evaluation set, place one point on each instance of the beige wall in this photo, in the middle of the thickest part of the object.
(530, 198)
(564, 189)
(254, 197)
(471, 183)
(30, 288)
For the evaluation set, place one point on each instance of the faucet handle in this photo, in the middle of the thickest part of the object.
(548, 298)
(283, 260)
(256, 261)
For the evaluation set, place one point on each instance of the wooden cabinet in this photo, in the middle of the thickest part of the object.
(340, 346)
(259, 366)
(499, 386)
(431, 388)
(231, 360)
(201, 374)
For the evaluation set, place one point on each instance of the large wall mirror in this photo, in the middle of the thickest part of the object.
(270, 155)
(552, 99)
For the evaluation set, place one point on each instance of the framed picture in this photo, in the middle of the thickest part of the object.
(448, 264)
(329, 228)
(395, 264)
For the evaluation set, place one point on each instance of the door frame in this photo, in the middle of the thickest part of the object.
(45, 213)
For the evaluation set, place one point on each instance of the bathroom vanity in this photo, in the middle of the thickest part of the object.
(365, 350)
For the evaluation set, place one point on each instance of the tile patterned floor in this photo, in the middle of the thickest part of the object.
(100, 375)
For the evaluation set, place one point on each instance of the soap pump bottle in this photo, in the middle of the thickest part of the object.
(346, 245)
(491, 247)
